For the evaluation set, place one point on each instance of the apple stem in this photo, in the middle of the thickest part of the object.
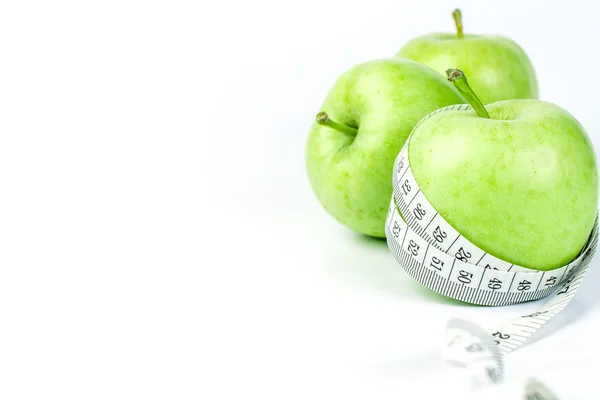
(323, 119)
(458, 21)
(459, 79)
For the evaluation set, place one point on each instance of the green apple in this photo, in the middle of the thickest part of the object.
(497, 67)
(365, 120)
(518, 178)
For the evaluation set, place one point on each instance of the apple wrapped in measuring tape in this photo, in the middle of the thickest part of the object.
(518, 178)
(494, 204)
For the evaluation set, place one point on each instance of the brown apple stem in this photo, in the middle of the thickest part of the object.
(323, 119)
(458, 21)
(459, 79)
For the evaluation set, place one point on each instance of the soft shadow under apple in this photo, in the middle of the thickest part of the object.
(373, 264)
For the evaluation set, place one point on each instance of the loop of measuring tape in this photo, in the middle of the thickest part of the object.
(440, 258)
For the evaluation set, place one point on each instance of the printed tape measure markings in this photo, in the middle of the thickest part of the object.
(411, 244)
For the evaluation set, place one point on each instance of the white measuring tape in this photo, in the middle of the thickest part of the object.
(441, 259)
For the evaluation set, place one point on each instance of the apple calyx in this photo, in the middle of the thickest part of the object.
(457, 15)
(459, 79)
(323, 119)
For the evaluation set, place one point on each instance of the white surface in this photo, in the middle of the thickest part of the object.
(159, 238)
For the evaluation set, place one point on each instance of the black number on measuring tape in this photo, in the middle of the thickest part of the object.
(550, 281)
(495, 284)
(413, 248)
(396, 229)
(464, 276)
(500, 335)
(524, 285)
(436, 263)
(400, 165)
(535, 314)
(439, 234)
(462, 255)
(490, 267)
(419, 212)
(406, 187)
(566, 286)
(564, 290)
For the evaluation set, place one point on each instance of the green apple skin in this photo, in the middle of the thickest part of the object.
(351, 176)
(497, 67)
(523, 185)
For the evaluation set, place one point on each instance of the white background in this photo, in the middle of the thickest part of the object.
(159, 239)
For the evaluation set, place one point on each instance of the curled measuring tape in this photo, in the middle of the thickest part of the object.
(440, 258)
